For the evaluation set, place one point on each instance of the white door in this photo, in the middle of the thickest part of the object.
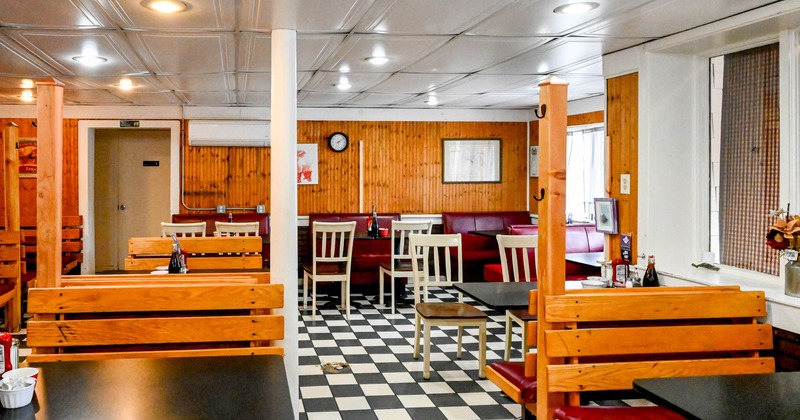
(131, 190)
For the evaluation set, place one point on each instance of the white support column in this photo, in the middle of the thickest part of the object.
(283, 194)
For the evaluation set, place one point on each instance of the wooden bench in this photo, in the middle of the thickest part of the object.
(161, 279)
(174, 320)
(10, 285)
(71, 246)
(612, 336)
(240, 252)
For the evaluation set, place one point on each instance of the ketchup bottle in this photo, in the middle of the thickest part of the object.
(619, 272)
(5, 351)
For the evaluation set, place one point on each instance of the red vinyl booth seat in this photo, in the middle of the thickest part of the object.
(368, 254)
(580, 238)
(616, 413)
(477, 250)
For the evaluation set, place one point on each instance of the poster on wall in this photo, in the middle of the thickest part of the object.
(27, 157)
(307, 162)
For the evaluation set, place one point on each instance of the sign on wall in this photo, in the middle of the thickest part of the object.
(27, 157)
(307, 164)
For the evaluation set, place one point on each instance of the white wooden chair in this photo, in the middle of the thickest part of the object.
(518, 248)
(400, 265)
(183, 229)
(236, 228)
(332, 250)
(456, 314)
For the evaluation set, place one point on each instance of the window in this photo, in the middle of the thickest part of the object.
(745, 161)
(585, 174)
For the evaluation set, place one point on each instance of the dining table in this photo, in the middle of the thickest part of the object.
(500, 296)
(589, 259)
(774, 396)
(240, 387)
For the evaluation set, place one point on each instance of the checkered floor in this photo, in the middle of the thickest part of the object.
(384, 380)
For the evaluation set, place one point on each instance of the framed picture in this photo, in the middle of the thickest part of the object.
(27, 157)
(471, 161)
(605, 215)
(307, 164)
(533, 163)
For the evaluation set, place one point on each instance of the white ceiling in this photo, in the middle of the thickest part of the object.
(475, 54)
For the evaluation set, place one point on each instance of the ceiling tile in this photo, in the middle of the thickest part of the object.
(458, 55)
(149, 98)
(432, 17)
(401, 51)
(484, 83)
(61, 14)
(194, 53)
(317, 16)
(326, 81)
(92, 97)
(216, 15)
(223, 98)
(415, 82)
(254, 81)
(324, 98)
(377, 99)
(18, 63)
(58, 48)
(550, 57)
(199, 82)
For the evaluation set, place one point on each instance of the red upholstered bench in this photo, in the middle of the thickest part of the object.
(580, 238)
(368, 255)
(616, 413)
(477, 250)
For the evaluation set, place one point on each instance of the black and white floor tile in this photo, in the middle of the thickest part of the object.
(384, 380)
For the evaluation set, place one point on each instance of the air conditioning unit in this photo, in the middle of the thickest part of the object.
(229, 133)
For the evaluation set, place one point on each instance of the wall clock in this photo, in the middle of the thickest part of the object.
(338, 141)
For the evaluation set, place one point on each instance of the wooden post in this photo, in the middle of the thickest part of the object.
(11, 182)
(552, 224)
(50, 138)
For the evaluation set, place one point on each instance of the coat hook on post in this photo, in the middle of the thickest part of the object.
(544, 111)
(540, 197)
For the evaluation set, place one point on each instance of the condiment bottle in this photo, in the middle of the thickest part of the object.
(374, 230)
(619, 272)
(650, 278)
(5, 352)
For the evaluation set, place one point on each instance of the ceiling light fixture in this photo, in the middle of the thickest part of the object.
(165, 6)
(125, 84)
(27, 96)
(432, 100)
(576, 8)
(343, 84)
(377, 60)
(89, 60)
(27, 84)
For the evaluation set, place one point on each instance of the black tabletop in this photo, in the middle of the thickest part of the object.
(488, 233)
(240, 387)
(732, 397)
(499, 295)
(586, 258)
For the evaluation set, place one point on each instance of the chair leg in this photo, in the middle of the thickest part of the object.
(380, 286)
(347, 307)
(392, 287)
(525, 346)
(482, 350)
(305, 290)
(426, 364)
(460, 333)
(417, 325)
(313, 299)
(507, 354)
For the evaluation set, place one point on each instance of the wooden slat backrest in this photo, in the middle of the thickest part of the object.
(659, 304)
(154, 298)
(138, 331)
(196, 262)
(188, 278)
(614, 337)
(197, 245)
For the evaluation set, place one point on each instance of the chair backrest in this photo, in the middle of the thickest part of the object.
(427, 274)
(332, 243)
(237, 228)
(401, 248)
(522, 251)
(183, 229)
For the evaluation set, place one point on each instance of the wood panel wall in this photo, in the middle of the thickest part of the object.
(70, 167)
(622, 128)
(402, 170)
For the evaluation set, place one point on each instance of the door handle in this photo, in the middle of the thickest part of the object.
(121, 207)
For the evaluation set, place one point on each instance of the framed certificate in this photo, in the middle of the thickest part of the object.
(605, 215)
(471, 161)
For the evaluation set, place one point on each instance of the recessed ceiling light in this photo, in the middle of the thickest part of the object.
(343, 84)
(378, 61)
(27, 84)
(125, 84)
(90, 60)
(432, 100)
(576, 8)
(27, 96)
(165, 6)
